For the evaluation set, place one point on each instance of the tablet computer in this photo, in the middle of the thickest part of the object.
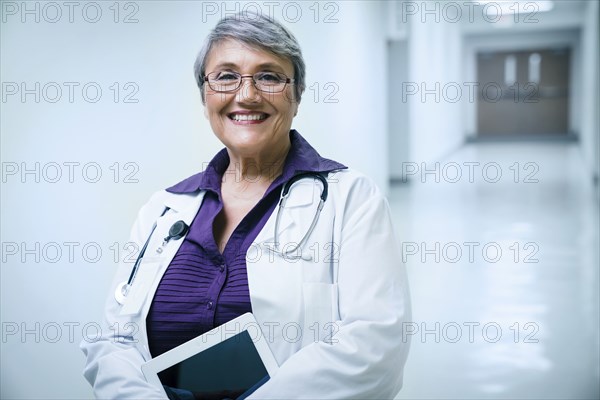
(230, 361)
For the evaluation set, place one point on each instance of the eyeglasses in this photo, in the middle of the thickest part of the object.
(229, 81)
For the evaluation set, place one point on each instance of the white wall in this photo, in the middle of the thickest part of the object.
(399, 149)
(435, 59)
(425, 66)
(590, 129)
(350, 57)
(164, 136)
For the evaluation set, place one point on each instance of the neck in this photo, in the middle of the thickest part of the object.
(261, 168)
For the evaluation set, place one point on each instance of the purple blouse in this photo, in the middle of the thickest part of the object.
(202, 288)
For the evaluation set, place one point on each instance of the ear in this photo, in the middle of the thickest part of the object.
(205, 112)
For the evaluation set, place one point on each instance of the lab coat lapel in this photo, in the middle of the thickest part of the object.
(275, 282)
(157, 256)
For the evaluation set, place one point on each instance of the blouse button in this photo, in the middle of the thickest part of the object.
(209, 305)
(222, 267)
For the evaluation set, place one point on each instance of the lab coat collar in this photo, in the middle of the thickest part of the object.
(182, 202)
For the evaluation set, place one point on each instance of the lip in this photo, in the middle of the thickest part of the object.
(248, 122)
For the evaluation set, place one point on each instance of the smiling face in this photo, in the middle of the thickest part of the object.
(250, 123)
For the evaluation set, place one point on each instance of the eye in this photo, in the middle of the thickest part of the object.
(269, 77)
(226, 76)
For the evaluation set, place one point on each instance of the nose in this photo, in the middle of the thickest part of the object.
(248, 91)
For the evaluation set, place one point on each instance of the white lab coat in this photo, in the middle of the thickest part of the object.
(333, 319)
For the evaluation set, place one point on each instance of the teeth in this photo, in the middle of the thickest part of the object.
(248, 117)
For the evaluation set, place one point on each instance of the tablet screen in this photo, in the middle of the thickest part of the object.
(231, 368)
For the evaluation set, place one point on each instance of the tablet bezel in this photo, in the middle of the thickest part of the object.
(152, 368)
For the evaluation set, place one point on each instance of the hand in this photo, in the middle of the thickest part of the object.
(182, 394)
(221, 395)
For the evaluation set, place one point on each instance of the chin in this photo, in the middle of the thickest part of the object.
(246, 140)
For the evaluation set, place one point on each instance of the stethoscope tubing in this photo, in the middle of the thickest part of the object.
(282, 201)
(143, 251)
(123, 288)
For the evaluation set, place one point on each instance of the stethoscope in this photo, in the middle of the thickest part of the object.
(291, 253)
(179, 229)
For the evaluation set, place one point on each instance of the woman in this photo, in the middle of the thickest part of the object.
(343, 285)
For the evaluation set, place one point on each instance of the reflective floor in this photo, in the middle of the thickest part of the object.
(502, 256)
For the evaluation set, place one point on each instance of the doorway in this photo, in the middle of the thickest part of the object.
(523, 93)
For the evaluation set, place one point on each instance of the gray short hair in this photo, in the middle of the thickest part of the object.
(257, 31)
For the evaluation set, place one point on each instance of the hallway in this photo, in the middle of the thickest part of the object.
(502, 256)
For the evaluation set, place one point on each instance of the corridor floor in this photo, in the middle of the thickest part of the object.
(501, 246)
